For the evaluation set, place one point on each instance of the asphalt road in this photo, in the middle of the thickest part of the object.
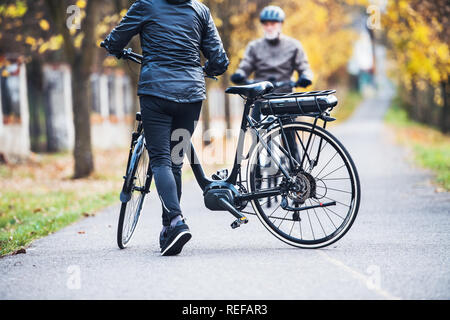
(398, 248)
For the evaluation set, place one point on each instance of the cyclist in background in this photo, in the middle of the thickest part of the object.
(171, 91)
(275, 57)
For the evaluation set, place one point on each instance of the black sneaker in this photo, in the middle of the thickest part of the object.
(162, 238)
(175, 238)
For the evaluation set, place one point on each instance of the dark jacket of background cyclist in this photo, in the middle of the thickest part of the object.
(173, 33)
(276, 60)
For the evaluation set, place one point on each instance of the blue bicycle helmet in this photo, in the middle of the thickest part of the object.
(272, 13)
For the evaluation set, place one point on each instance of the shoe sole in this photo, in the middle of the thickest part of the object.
(177, 244)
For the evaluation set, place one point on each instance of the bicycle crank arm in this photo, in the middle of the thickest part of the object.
(285, 206)
(241, 219)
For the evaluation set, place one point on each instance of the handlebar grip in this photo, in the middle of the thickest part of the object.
(135, 55)
(134, 59)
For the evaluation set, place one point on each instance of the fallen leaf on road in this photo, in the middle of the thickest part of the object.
(20, 251)
(81, 232)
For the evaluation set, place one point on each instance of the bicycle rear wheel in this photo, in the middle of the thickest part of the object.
(137, 182)
(329, 198)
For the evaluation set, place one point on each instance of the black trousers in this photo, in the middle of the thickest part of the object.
(168, 128)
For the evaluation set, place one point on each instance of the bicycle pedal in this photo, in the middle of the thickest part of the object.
(237, 223)
(221, 174)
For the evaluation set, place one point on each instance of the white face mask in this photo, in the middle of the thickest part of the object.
(272, 33)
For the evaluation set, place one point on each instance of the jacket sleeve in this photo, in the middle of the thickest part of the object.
(130, 25)
(247, 65)
(212, 49)
(301, 64)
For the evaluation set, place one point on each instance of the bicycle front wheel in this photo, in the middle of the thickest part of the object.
(136, 183)
(325, 206)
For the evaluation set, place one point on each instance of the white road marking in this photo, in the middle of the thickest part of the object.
(358, 275)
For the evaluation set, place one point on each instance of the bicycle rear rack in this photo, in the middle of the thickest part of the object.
(299, 94)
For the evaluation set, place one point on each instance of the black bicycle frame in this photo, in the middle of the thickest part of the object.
(204, 182)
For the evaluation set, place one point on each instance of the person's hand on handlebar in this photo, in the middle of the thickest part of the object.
(126, 54)
(238, 78)
(303, 82)
(206, 73)
(118, 55)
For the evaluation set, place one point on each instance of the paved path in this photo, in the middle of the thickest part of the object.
(398, 247)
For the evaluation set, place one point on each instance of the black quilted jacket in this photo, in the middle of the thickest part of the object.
(173, 33)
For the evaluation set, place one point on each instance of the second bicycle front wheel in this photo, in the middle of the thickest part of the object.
(136, 185)
(329, 194)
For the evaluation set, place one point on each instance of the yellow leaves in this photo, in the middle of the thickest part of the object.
(415, 44)
(442, 51)
(421, 33)
(218, 22)
(30, 41)
(44, 25)
(78, 40)
(16, 10)
(81, 4)
(110, 62)
(53, 44)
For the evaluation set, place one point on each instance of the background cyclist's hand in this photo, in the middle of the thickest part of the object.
(303, 82)
(238, 78)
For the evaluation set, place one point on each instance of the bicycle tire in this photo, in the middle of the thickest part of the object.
(135, 183)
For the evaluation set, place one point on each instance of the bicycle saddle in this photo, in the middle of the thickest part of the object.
(252, 91)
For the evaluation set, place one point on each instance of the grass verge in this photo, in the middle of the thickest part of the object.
(431, 148)
(38, 197)
(32, 215)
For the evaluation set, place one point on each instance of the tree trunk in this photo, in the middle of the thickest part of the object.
(84, 163)
(36, 103)
(445, 118)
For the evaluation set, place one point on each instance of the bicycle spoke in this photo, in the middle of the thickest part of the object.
(326, 165)
(338, 190)
(310, 224)
(315, 213)
(283, 219)
(293, 223)
(331, 172)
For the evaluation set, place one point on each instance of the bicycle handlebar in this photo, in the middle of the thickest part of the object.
(276, 84)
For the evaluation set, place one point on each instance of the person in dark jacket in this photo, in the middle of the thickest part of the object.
(171, 90)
